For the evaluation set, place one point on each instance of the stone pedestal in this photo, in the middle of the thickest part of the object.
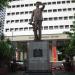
(38, 55)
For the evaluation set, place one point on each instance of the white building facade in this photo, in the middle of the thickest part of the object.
(58, 17)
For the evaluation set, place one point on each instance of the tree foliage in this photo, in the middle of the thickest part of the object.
(70, 45)
(22, 46)
(6, 50)
(4, 3)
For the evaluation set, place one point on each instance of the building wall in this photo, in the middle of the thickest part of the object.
(2, 18)
(58, 17)
(44, 37)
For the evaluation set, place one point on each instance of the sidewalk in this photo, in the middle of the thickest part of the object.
(65, 73)
(57, 73)
(17, 73)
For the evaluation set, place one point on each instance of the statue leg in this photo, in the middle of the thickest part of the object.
(39, 29)
(35, 31)
(35, 34)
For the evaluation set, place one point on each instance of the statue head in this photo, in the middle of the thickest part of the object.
(38, 3)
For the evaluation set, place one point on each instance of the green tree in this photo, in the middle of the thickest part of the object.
(4, 3)
(70, 45)
(6, 48)
(6, 51)
(22, 46)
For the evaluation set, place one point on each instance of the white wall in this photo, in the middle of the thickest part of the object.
(45, 23)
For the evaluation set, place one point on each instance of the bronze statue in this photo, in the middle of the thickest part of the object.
(36, 20)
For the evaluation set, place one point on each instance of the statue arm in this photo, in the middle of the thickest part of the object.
(43, 6)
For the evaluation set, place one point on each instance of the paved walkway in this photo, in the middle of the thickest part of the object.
(17, 73)
(58, 73)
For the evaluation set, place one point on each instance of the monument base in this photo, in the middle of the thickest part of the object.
(38, 56)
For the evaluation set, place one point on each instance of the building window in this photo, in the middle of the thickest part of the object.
(69, 9)
(17, 13)
(45, 3)
(12, 21)
(34, 4)
(26, 5)
(73, 8)
(73, 1)
(7, 30)
(55, 18)
(70, 17)
(45, 19)
(63, 2)
(71, 26)
(22, 5)
(8, 21)
(29, 20)
(58, 2)
(49, 3)
(13, 13)
(26, 20)
(13, 6)
(68, 1)
(30, 28)
(60, 18)
(30, 4)
(61, 27)
(11, 29)
(16, 21)
(16, 29)
(30, 12)
(59, 10)
(65, 18)
(53, 2)
(64, 9)
(51, 27)
(17, 6)
(21, 13)
(21, 29)
(26, 28)
(9, 6)
(55, 27)
(54, 10)
(66, 26)
(49, 10)
(8, 14)
(45, 27)
(21, 20)
(44, 10)
(26, 12)
(50, 18)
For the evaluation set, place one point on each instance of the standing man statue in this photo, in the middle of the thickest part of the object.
(36, 20)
